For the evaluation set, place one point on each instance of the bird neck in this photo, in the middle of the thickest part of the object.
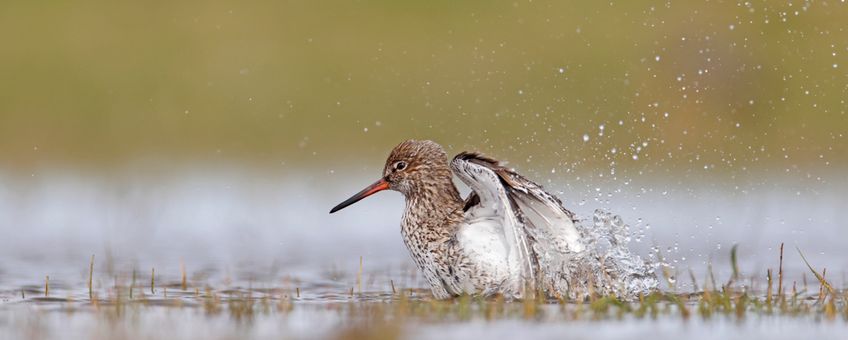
(434, 208)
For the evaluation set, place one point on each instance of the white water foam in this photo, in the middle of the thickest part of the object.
(607, 266)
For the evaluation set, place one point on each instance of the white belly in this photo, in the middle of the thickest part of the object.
(484, 248)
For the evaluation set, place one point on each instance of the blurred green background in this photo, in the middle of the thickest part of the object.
(723, 86)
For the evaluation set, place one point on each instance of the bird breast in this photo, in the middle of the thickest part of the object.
(485, 266)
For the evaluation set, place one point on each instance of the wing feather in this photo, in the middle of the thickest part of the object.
(490, 200)
(548, 229)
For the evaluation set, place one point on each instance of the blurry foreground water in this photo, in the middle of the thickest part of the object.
(264, 235)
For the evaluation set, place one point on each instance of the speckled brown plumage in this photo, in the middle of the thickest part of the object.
(433, 209)
(509, 237)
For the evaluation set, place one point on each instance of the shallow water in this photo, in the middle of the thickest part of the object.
(273, 314)
(243, 233)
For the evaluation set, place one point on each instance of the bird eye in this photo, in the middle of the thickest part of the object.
(400, 165)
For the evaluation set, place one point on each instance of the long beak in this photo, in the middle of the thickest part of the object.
(370, 190)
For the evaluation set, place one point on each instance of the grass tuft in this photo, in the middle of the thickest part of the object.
(90, 278)
(734, 262)
(818, 276)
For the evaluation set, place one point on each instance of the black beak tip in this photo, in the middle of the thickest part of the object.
(341, 206)
(368, 191)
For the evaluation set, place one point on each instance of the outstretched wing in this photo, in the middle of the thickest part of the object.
(542, 223)
(490, 210)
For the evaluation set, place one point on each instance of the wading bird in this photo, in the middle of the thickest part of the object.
(508, 237)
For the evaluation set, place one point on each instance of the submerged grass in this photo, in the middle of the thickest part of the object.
(379, 313)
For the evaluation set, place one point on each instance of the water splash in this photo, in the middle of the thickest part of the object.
(607, 266)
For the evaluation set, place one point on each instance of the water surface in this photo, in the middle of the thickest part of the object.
(243, 234)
